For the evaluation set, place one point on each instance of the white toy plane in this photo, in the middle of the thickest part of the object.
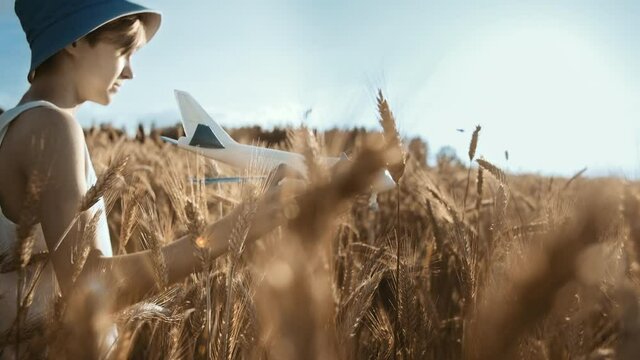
(206, 137)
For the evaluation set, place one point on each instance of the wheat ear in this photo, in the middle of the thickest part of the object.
(315, 170)
(237, 240)
(83, 247)
(392, 138)
(25, 234)
(153, 239)
(574, 177)
(130, 217)
(472, 153)
(95, 192)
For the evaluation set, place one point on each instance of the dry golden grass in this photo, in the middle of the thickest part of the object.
(535, 268)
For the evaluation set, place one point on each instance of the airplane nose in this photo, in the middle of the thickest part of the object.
(383, 182)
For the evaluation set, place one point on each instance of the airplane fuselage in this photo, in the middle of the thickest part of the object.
(245, 157)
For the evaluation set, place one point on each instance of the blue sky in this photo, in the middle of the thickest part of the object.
(556, 83)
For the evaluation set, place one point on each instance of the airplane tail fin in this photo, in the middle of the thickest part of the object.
(200, 129)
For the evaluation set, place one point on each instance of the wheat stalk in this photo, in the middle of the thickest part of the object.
(83, 246)
(433, 295)
(474, 142)
(153, 239)
(130, 217)
(196, 223)
(472, 153)
(493, 170)
(175, 189)
(574, 178)
(107, 181)
(352, 310)
(25, 231)
(25, 240)
(315, 170)
(237, 239)
(392, 138)
(479, 185)
(499, 175)
(316, 206)
(530, 297)
(631, 212)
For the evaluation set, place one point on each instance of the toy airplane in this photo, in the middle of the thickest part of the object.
(206, 137)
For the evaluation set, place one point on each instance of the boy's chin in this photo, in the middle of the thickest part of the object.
(103, 100)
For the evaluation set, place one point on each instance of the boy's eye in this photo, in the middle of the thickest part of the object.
(126, 55)
(124, 52)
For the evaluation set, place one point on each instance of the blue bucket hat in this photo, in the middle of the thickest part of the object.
(50, 25)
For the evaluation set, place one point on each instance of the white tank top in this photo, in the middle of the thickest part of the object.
(47, 287)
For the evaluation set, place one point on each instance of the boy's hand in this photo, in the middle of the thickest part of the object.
(273, 206)
(283, 172)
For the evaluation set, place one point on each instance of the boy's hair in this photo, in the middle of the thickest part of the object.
(126, 32)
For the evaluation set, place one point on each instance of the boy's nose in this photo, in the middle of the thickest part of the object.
(127, 72)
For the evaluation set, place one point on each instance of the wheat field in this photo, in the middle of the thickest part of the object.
(457, 262)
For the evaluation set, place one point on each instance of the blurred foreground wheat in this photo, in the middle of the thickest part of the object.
(534, 268)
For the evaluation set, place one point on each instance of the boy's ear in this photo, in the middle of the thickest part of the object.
(73, 48)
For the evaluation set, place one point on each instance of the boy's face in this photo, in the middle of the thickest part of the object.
(100, 70)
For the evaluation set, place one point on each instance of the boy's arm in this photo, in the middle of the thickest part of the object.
(57, 152)
(54, 161)
(134, 274)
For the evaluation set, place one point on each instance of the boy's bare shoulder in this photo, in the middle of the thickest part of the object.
(43, 133)
(49, 121)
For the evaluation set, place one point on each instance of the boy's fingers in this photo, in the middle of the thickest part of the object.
(276, 206)
(288, 188)
(277, 174)
(341, 165)
(280, 172)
